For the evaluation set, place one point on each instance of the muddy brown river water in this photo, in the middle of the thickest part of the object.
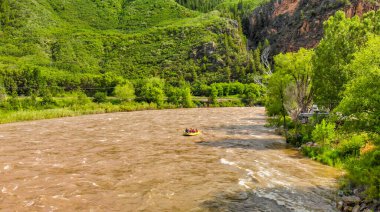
(139, 161)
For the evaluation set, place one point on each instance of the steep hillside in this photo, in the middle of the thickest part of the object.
(291, 24)
(80, 39)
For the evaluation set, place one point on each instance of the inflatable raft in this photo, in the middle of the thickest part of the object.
(191, 133)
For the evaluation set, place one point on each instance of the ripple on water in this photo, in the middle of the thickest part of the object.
(141, 161)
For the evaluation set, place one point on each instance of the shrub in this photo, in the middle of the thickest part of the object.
(187, 98)
(324, 132)
(324, 155)
(100, 97)
(293, 137)
(365, 171)
(125, 92)
(82, 98)
(351, 147)
(47, 100)
(174, 95)
(251, 94)
(214, 95)
(14, 103)
(3, 93)
(328, 156)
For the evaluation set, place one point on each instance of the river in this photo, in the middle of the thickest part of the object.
(139, 161)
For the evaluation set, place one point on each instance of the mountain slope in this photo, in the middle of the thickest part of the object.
(291, 24)
(132, 39)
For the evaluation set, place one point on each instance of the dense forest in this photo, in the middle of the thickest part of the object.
(53, 53)
(64, 58)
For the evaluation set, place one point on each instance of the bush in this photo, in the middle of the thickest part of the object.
(324, 155)
(3, 93)
(324, 132)
(125, 92)
(47, 100)
(251, 94)
(174, 95)
(328, 156)
(82, 98)
(213, 95)
(351, 147)
(14, 103)
(100, 97)
(365, 171)
(187, 98)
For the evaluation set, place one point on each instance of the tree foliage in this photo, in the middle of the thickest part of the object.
(125, 91)
(297, 67)
(152, 90)
(342, 38)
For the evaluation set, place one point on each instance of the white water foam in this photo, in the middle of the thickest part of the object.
(7, 167)
(242, 181)
(226, 162)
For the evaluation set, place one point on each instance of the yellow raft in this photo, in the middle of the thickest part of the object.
(191, 134)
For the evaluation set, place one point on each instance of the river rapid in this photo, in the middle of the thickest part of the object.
(139, 161)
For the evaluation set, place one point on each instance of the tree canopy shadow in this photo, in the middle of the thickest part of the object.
(255, 129)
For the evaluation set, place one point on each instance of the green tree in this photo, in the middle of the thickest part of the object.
(125, 91)
(361, 98)
(276, 99)
(252, 93)
(298, 68)
(342, 38)
(152, 90)
(174, 95)
(213, 98)
(187, 97)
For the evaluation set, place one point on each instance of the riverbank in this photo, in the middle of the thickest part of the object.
(75, 110)
(69, 107)
(357, 202)
(356, 152)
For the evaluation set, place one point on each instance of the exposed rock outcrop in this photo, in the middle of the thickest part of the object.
(292, 24)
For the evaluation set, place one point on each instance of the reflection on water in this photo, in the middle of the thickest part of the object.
(140, 161)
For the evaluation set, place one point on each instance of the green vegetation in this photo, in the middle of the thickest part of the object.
(149, 93)
(72, 45)
(118, 52)
(342, 76)
(237, 9)
(65, 58)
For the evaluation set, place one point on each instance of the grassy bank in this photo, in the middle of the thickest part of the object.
(112, 105)
(330, 142)
(76, 110)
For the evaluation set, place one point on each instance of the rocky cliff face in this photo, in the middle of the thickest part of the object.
(292, 24)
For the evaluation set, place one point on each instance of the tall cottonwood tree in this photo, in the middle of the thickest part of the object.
(342, 38)
(361, 98)
(297, 68)
(276, 99)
